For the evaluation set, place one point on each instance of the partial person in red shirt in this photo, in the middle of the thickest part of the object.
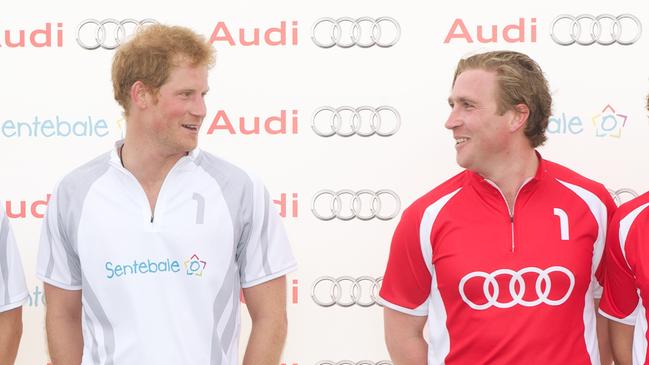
(627, 281)
(502, 261)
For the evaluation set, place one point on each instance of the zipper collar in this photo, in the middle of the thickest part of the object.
(487, 186)
(492, 194)
(117, 162)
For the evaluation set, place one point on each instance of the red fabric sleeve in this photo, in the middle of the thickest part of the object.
(407, 279)
(620, 297)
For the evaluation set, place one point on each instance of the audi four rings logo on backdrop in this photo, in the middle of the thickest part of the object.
(605, 29)
(107, 33)
(621, 196)
(349, 362)
(348, 204)
(363, 121)
(542, 292)
(364, 32)
(346, 291)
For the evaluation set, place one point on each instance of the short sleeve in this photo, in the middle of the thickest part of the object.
(620, 298)
(265, 253)
(58, 262)
(407, 280)
(13, 290)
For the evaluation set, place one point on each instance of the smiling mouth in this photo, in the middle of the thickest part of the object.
(191, 127)
(460, 141)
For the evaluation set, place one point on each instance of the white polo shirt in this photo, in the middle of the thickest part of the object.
(162, 288)
(13, 290)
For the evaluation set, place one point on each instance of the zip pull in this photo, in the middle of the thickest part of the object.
(152, 219)
(511, 219)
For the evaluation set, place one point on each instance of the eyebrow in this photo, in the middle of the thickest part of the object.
(181, 91)
(462, 99)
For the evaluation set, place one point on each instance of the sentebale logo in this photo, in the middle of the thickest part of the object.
(194, 266)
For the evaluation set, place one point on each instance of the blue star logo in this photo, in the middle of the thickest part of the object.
(195, 266)
(608, 123)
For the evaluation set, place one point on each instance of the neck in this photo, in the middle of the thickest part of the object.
(512, 172)
(147, 162)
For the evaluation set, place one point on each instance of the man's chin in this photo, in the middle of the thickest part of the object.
(461, 162)
(183, 147)
(190, 144)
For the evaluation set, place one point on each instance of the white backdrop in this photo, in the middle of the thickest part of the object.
(598, 90)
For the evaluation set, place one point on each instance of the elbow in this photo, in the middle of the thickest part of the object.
(390, 344)
(281, 325)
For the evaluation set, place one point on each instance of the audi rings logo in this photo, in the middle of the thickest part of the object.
(348, 362)
(107, 33)
(346, 291)
(603, 29)
(364, 121)
(518, 287)
(363, 204)
(621, 196)
(347, 32)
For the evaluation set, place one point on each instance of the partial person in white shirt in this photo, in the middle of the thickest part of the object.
(13, 293)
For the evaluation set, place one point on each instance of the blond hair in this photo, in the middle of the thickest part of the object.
(520, 81)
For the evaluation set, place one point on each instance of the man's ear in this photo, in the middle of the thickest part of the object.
(521, 114)
(139, 93)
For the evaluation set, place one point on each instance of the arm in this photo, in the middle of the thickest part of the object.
(63, 325)
(266, 304)
(621, 342)
(404, 338)
(606, 358)
(11, 328)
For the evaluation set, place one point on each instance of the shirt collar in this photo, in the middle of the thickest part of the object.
(541, 172)
(114, 153)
